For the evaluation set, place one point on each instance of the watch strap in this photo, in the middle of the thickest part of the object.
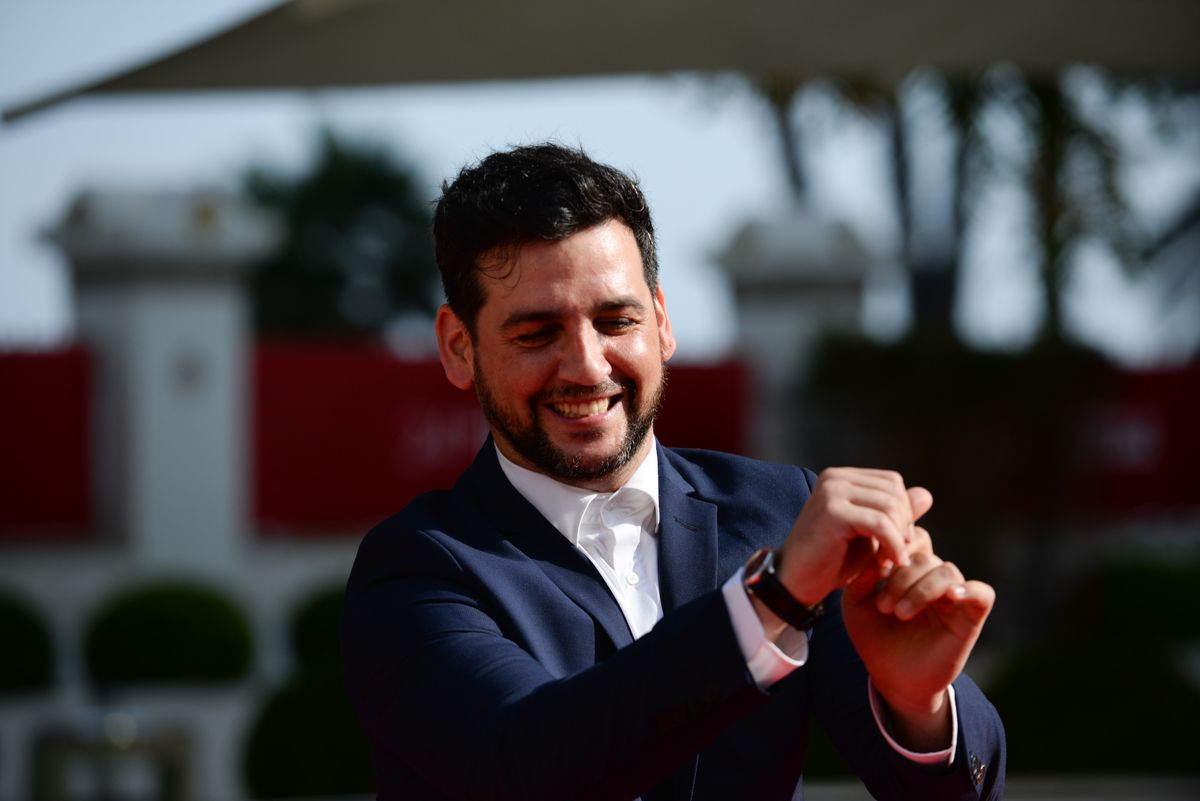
(761, 581)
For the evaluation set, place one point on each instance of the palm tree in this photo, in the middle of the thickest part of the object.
(1071, 180)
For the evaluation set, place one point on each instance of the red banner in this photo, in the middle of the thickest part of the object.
(347, 434)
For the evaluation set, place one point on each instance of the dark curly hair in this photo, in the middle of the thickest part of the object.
(543, 192)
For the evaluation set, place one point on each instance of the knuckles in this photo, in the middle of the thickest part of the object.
(829, 474)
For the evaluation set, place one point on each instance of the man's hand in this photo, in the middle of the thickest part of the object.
(912, 617)
(856, 518)
(914, 629)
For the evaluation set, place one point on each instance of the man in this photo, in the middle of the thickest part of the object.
(588, 615)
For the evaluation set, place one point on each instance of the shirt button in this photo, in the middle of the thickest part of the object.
(631, 579)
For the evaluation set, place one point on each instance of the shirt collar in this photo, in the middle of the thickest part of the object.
(563, 505)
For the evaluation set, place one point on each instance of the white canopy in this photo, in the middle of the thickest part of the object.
(343, 43)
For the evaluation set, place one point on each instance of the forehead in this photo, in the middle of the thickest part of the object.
(588, 266)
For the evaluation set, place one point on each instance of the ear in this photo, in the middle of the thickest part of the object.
(666, 340)
(455, 348)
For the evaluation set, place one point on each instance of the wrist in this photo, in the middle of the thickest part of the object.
(923, 726)
(772, 624)
(789, 567)
(763, 585)
(920, 705)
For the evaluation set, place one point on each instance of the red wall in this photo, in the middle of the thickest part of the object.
(343, 435)
(45, 445)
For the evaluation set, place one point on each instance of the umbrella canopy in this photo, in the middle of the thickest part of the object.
(344, 43)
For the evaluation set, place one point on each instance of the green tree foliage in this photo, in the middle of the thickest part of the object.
(357, 249)
(1071, 181)
(28, 664)
(168, 633)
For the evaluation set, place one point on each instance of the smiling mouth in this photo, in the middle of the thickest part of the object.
(577, 411)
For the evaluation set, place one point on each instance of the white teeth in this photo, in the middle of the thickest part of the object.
(577, 410)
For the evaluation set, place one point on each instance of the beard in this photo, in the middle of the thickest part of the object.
(534, 444)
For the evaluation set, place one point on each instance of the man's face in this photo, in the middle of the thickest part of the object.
(568, 356)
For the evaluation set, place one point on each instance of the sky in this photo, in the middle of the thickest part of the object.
(702, 147)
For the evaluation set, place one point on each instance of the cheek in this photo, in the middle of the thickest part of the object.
(642, 357)
(527, 375)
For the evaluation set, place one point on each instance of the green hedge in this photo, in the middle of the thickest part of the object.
(28, 661)
(1103, 692)
(314, 629)
(306, 740)
(170, 632)
(1143, 600)
(1073, 708)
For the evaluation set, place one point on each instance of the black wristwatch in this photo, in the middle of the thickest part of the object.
(761, 582)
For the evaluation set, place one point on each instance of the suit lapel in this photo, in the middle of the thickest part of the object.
(687, 558)
(687, 547)
(687, 568)
(525, 527)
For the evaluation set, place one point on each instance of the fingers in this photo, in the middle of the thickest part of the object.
(883, 490)
(856, 518)
(920, 542)
(872, 523)
(975, 601)
(931, 584)
(875, 503)
(910, 589)
(862, 587)
(873, 578)
(927, 584)
(884, 480)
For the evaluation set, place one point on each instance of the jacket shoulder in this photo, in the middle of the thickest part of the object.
(718, 474)
(415, 536)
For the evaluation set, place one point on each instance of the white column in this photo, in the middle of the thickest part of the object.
(163, 310)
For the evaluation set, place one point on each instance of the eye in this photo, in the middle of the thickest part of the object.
(534, 337)
(615, 325)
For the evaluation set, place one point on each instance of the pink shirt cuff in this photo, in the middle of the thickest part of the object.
(768, 662)
(943, 757)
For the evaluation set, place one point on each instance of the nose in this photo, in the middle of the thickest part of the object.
(583, 360)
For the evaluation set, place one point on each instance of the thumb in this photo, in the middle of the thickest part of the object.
(921, 501)
(862, 589)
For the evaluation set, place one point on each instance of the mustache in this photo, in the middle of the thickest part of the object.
(570, 393)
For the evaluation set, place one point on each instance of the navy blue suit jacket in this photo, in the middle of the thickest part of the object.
(487, 660)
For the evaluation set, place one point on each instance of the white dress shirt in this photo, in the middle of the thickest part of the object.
(618, 533)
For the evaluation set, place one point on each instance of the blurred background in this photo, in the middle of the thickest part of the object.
(962, 242)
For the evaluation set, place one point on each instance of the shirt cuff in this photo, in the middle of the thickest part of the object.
(943, 757)
(767, 661)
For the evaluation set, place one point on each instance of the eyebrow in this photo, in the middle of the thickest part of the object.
(524, 316)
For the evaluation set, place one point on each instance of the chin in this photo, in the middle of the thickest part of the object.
(594, 447)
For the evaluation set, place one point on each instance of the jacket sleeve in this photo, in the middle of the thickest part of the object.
(838, 686)
(439, 687)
